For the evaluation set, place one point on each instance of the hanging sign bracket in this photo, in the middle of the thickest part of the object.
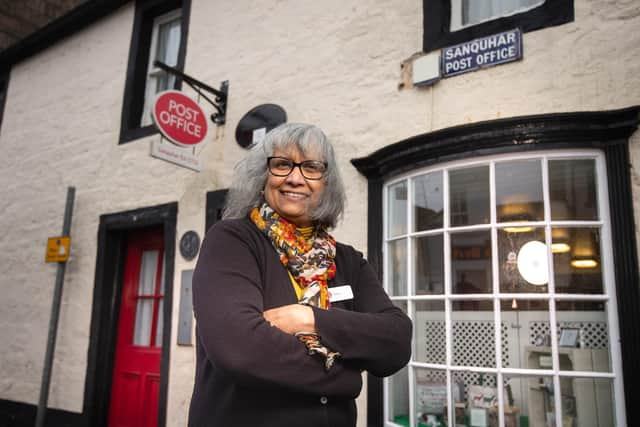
(220, 103)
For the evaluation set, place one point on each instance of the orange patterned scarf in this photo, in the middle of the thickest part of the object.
(311, 262)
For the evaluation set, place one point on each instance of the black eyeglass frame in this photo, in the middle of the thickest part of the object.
(298, 165)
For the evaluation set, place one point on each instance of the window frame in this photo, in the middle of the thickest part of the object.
(437, 22)
(410, 298)
(133, 102)
(608, 130)
(4, 88)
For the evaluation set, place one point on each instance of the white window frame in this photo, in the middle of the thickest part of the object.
(456, 14)
(152, 71)
(608, 296)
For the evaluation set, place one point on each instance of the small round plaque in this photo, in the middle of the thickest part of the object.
(189, 245)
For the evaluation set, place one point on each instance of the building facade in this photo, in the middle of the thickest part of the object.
(497, 204)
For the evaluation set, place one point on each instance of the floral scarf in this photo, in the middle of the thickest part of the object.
(310, 262)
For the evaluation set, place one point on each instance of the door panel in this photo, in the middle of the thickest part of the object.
(136, 373)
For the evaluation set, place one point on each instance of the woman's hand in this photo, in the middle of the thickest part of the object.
(292, 318)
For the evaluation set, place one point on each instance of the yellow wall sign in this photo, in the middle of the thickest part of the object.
(58, 249)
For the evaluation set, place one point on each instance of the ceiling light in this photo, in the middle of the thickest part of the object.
(560, 248)
(532, 263)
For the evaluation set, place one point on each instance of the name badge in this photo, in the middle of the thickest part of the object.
(340, 293)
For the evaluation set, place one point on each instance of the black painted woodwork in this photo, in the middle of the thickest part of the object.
(608, 131)
(437, 15)
(215, 205)
(133, 100)
(19, 414)
(105, 306)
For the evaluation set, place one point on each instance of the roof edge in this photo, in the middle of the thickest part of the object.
(66, 25)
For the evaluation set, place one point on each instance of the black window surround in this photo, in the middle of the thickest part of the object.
(437, 17)
(4, 87)
(133, 101)
(608, 131)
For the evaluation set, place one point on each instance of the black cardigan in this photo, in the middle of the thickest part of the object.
(249, 373)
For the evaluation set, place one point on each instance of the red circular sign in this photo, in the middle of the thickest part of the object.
(179, 118)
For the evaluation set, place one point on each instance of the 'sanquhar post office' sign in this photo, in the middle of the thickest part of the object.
(483, 52)
(179, 118)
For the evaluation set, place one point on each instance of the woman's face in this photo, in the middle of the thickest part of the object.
(293, 196)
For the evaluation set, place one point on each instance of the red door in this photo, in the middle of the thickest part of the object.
(136, 373)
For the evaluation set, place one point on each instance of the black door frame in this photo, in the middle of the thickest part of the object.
(110, 260)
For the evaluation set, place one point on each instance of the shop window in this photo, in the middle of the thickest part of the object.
(504, 266)
(159, 33)
(449, 22)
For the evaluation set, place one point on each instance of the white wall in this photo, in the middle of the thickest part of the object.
(332, 63)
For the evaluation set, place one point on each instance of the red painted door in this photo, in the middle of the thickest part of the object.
(136, 373)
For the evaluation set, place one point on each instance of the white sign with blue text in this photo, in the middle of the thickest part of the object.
(483, 52)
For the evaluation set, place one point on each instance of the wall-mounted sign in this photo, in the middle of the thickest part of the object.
(57, 249)
(483, 52)
(254, 125)
(176, 155)
(179, 118)
(189, 245)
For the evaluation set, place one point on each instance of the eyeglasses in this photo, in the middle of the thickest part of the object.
(310, 169)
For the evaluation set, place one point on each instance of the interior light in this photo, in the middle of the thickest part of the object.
(560, 248)
(518, 229)
(532, 263)
(584, 263)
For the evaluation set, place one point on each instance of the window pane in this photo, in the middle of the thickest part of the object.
(159, 323)
(474, 396)
(430, 396)
(529, 400)
(142, 331)
(526, 340)
(429, 267)
(523, 259)
(469, 194)
(473, 333)
(474, 11)
(397, 213)
(583, 334)
(572, 190)
(427, 196)
(169, 42)
(576, 260)
(148, 269)
(519, 191)
(471, 262)
(429, 330)
(587, 401)
(399, 397)
(397, 267)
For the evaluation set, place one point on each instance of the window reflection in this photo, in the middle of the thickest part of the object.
(576, 260)
(519, 191)
(572, 190)
(397, 267)
(469, 196)
(397, 209)
(428, 201)
(471, 262)
(429, 268)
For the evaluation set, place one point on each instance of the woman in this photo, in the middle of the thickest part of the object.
(287, 319)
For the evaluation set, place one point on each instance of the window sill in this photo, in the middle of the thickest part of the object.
(129, 135)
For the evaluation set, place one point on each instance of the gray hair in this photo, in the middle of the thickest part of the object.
(250, 174)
